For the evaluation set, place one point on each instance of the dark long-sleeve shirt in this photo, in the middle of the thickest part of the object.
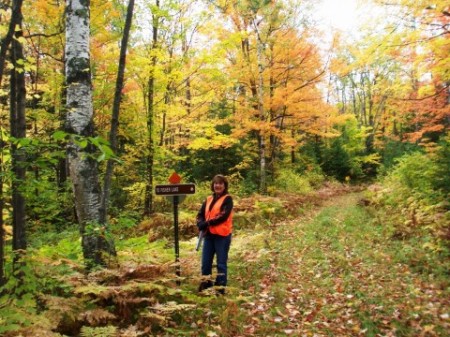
(225, 210)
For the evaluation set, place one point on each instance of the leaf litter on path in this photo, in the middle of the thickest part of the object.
(331, 275)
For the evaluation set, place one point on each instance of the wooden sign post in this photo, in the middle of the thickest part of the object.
(174, 191)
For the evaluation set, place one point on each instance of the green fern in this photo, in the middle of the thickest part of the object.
(105, 331)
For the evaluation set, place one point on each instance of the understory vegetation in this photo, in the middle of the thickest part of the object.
(313, 258)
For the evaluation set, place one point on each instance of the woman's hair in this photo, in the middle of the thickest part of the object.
(218, 178)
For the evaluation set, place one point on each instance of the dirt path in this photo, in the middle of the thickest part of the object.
(330, 273)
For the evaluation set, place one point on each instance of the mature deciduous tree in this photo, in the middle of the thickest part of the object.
(116, 110)
(6, 41)
(18, 131)
(150, 150)
(83, 166)
(275, 71)
(44, 50)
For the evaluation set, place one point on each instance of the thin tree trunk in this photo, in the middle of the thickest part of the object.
(18, 218)
(148, 204)
(115, 112)
(166, 138)
(261, 137)
(188, 92)
(293, 158)
(2, 231)
(18, 131)
(16, 19)
(62, 167)
(257, 95)
(83, 168)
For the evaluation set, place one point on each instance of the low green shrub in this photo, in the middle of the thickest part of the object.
(291, 182)
(412, 204)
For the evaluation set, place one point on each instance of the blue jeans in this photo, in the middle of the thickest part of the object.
(216, 245)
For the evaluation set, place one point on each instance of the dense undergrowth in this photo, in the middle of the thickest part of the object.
(330, 262)
(413, 203)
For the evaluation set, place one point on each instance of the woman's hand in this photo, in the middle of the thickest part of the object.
(202, 225)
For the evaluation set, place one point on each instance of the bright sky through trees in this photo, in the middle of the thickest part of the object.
(346, 16)
(343, 14)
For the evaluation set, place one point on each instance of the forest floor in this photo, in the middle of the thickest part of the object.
(333, 271)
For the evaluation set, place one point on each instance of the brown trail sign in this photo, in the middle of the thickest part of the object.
(174, 191)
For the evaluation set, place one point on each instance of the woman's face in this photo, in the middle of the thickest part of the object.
(219, 187)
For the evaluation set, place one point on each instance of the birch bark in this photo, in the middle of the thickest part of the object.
(83, 168)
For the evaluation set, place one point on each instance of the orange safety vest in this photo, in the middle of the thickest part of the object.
(224, 228)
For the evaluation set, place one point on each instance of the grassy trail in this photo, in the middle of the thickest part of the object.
(333, 272)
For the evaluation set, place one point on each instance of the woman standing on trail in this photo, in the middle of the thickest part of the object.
(215, 220)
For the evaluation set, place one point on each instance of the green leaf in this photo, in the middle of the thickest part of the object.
(106, 150)
(101, 157)
(94, 141)
(59, 135)
(83, 143)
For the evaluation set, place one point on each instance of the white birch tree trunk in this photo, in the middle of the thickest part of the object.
(83, 168)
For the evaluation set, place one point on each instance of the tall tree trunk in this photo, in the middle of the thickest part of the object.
(83, 168)
(18, 131)
(115, 112)
(148, 206)
(16, 19)
(188, 91)
(293, 157)
(262, 117)
(166, 137)
(2, 231)
(62, 167)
